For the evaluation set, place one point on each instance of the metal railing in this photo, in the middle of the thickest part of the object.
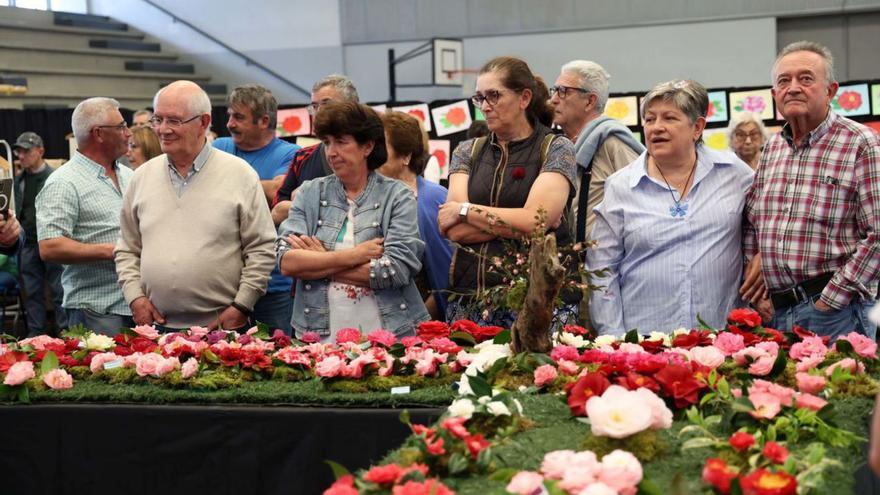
(247, 60)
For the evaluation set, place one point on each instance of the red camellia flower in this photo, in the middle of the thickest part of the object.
(476, 444)
(775, 452)
(717, 474)
(10, 358)
(633, 381)
(431, 330)
(765, 482)
(428, 487)
(342, 486)
(486, 333)
(741, 441)
(578, 330)
(749, 338)
(518, 173)
(680, 383)
(744, 317)
(692, 339)
(384, 475)
(144, 345)
(579, 392)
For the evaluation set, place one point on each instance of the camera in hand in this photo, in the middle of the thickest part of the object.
(5, 196)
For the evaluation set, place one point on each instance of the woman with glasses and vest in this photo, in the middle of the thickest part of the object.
(351, 239)
(668, 231)
(499, 186)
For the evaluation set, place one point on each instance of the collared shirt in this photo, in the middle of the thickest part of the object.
(664, 271)
(79, 201)
(815, 209)
(181, 183)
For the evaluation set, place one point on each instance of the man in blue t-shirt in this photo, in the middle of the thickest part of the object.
(252, 111)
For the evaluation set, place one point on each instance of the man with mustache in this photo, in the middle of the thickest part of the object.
(814, 207)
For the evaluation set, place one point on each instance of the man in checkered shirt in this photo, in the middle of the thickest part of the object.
(814, 207)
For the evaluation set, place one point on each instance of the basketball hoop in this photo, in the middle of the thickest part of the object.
(450, 74)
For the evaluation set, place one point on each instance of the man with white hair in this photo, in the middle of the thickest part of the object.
(602, 145)
(196, 246)
(78, 217)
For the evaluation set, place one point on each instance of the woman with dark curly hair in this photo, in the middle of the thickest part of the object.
(351, 239)
(499, 184)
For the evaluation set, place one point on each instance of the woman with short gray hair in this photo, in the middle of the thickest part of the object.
(669, 231)
(746, 134)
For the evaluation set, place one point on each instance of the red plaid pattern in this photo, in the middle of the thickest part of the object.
(815, 209)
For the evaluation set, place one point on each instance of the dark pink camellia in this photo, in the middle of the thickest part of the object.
(344, 335)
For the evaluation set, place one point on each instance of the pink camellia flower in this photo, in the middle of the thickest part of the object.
(149, 364)
(771, 348)
(809, 384)
(599, 488)
(810, 401)
(310, 337)
(618, 413)
(564, 352)
(147, 331)
(569, 368)
(40, 342)
(98, 360)
(576, 478)
(784, 394)
(330, 366)
(809, 362)
(410, 341)
(849, 364)
(58, 379)
(708, 356)
(630, 348)
(864, 346)
(252, 330)
(167, 366)
(545, 374)
(199, 332)
(526, 483)
(661, 415)
(762, 366)
(294, 356)
(767, 406)
(19, 373)
(555, 463)
(810, 346)
(383, 337)
(344, 335)
(444, 345)
(189, 368)
(621, 471)
(729, 343)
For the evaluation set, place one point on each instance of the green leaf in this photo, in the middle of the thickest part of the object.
(463, 338)
(457, 463)
(210, 357)
(698, 443)
(479, 385)
(647, 487)
(723, 387)
(23, 393)
(779, 365)
(702, 323)
(713, 420)
(484, 457)
(50, 362)
(689, 429)
(742, 405)
(632, 336)
(504, 475)
(503, 337)
(771, 433)
(404, 417)
(844, 346)
(338, 469)
(262, 331)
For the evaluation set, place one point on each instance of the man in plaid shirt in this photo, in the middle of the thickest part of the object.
(814, 207)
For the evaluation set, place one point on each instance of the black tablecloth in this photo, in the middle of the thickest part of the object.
(138, 449)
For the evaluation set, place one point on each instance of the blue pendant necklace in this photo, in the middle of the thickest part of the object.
(679, 209)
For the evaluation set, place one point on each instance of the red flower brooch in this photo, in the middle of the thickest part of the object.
(518, 173)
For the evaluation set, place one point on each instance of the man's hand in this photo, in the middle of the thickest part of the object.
(368, 250)
(144, 313)
(448, 215)
(230, 319)
(10, 229)
(753, 288)
(764, 307)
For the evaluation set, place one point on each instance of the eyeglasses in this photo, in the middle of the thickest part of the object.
(316, 105)
(171, 122)
(491, 96)
(119, 127)
(741, 136)
(564, 90)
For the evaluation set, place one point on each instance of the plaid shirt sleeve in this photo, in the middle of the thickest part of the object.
(863, 266)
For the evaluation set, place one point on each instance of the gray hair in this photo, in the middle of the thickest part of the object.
(90, 113)
(198, 102)
(593, 78)
(807, 46)
(343, 86)
(143, 112)
(745, 118)
(259, 100)
(688, 96)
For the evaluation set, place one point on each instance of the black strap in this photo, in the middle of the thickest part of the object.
(581, 230)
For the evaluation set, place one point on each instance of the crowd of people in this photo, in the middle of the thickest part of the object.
(348, 233)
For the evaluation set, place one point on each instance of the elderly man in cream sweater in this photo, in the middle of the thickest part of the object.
(196, 245)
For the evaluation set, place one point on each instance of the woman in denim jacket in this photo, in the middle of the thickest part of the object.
(351, 239)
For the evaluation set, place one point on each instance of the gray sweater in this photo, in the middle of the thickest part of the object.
(195, 254)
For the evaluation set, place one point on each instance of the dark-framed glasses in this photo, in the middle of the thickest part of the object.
(564, 91)
(316, 105)
(119, 127)
(742, 136)
(490, 96)
(171, 121)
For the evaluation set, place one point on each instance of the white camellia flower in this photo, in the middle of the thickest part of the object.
(487, 354)
(497, 408)
(461, 408)
(618, 413)
(603, 340)
(680, 331)
(660, 336)
(573, 340)
(98, 342)
(464, 386)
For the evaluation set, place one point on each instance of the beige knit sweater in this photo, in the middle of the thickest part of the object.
(196, 254)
